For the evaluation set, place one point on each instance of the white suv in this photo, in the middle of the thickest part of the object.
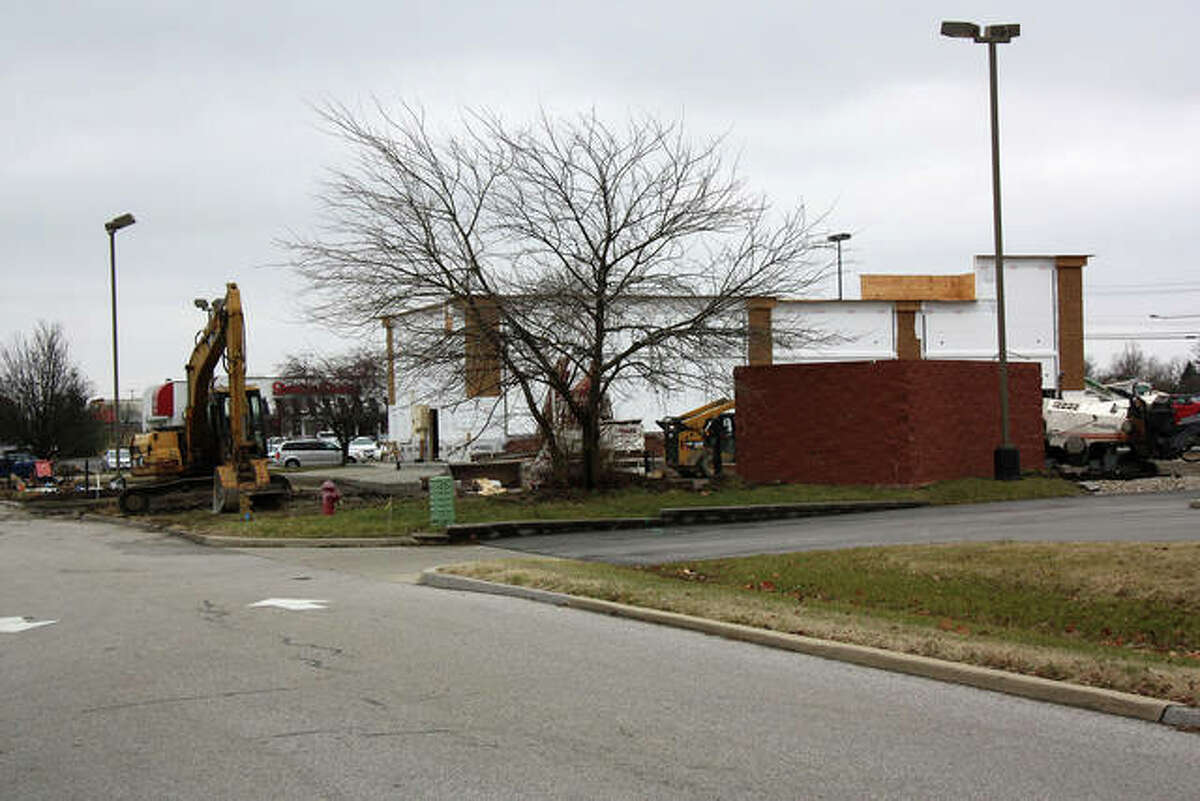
(305, 452)
(363, 449)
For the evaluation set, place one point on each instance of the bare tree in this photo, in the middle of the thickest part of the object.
(44, 397)
(580, 257)
(346, 394)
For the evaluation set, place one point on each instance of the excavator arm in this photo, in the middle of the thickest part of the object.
(202, 446)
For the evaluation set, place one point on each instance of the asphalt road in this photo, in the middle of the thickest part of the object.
(159, 679)
(1151, 517)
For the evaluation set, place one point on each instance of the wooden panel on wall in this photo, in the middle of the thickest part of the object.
(1070, 321)
(908, 344)
(918, 287)
(759, 343)
(482, 349)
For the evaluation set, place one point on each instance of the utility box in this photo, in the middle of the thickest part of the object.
(441, 501)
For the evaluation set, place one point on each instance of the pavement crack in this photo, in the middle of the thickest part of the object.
(178, 699)
(407, 732)
(213, 613)
(304, 733)
(457, 734)
(316, 662)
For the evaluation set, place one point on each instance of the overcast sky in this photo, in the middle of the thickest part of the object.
(198, 119)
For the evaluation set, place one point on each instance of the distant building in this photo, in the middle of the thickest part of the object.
(287, 399)
(129, 419)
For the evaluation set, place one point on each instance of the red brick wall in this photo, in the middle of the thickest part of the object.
(886, 422)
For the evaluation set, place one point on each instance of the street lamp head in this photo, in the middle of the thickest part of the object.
(117, 223)
(960, 30)
(1001, 33)
(837, 237)
(992, 34)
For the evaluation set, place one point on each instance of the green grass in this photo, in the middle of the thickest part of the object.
(405, 516)
(1112, 594)
(1119, 615)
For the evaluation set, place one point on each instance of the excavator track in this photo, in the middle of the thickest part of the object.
(176, 495)
(187, 494)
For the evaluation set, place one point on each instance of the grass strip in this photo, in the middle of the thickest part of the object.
(1117, 615)
(376, 517)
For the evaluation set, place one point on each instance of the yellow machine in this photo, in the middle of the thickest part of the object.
(222, 440)
(700, 442)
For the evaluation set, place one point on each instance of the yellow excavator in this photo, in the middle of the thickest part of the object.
(701, 441)
(221, 440)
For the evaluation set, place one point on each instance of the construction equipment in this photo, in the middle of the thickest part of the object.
(702, 441)
(1119, 429)
(219, 439)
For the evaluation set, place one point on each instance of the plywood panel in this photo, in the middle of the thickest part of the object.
(918, 287)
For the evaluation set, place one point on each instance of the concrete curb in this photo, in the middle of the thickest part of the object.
(680, 516)
(1093, 698)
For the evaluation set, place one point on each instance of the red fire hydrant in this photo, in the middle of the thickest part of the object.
(329, 497)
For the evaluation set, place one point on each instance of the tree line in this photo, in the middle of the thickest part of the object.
(1177, 376)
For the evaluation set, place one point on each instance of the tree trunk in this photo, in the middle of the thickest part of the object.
(590, 429)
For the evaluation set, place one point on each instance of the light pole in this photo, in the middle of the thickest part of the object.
(1007, 458)
(839, 239)
(112, 226)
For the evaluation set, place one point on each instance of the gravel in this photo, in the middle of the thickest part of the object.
(1176, 476)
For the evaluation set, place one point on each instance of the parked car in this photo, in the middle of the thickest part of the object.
(306, 452)
(17, 463)
(109, 460)
(363, 449)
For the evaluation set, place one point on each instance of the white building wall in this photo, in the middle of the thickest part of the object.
(853, 330)
(464, 424)
(967, 329)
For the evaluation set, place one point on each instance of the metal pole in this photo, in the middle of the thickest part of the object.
(837, 239)
(839, 247)
(1000, 314)
(112, 262)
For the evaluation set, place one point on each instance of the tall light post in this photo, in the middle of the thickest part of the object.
(112, 226)
(839, 239)
(1007, 458)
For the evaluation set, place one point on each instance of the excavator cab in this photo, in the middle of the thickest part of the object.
(255, 417)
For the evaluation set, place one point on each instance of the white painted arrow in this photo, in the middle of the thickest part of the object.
(293, 604)
(15, 625)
